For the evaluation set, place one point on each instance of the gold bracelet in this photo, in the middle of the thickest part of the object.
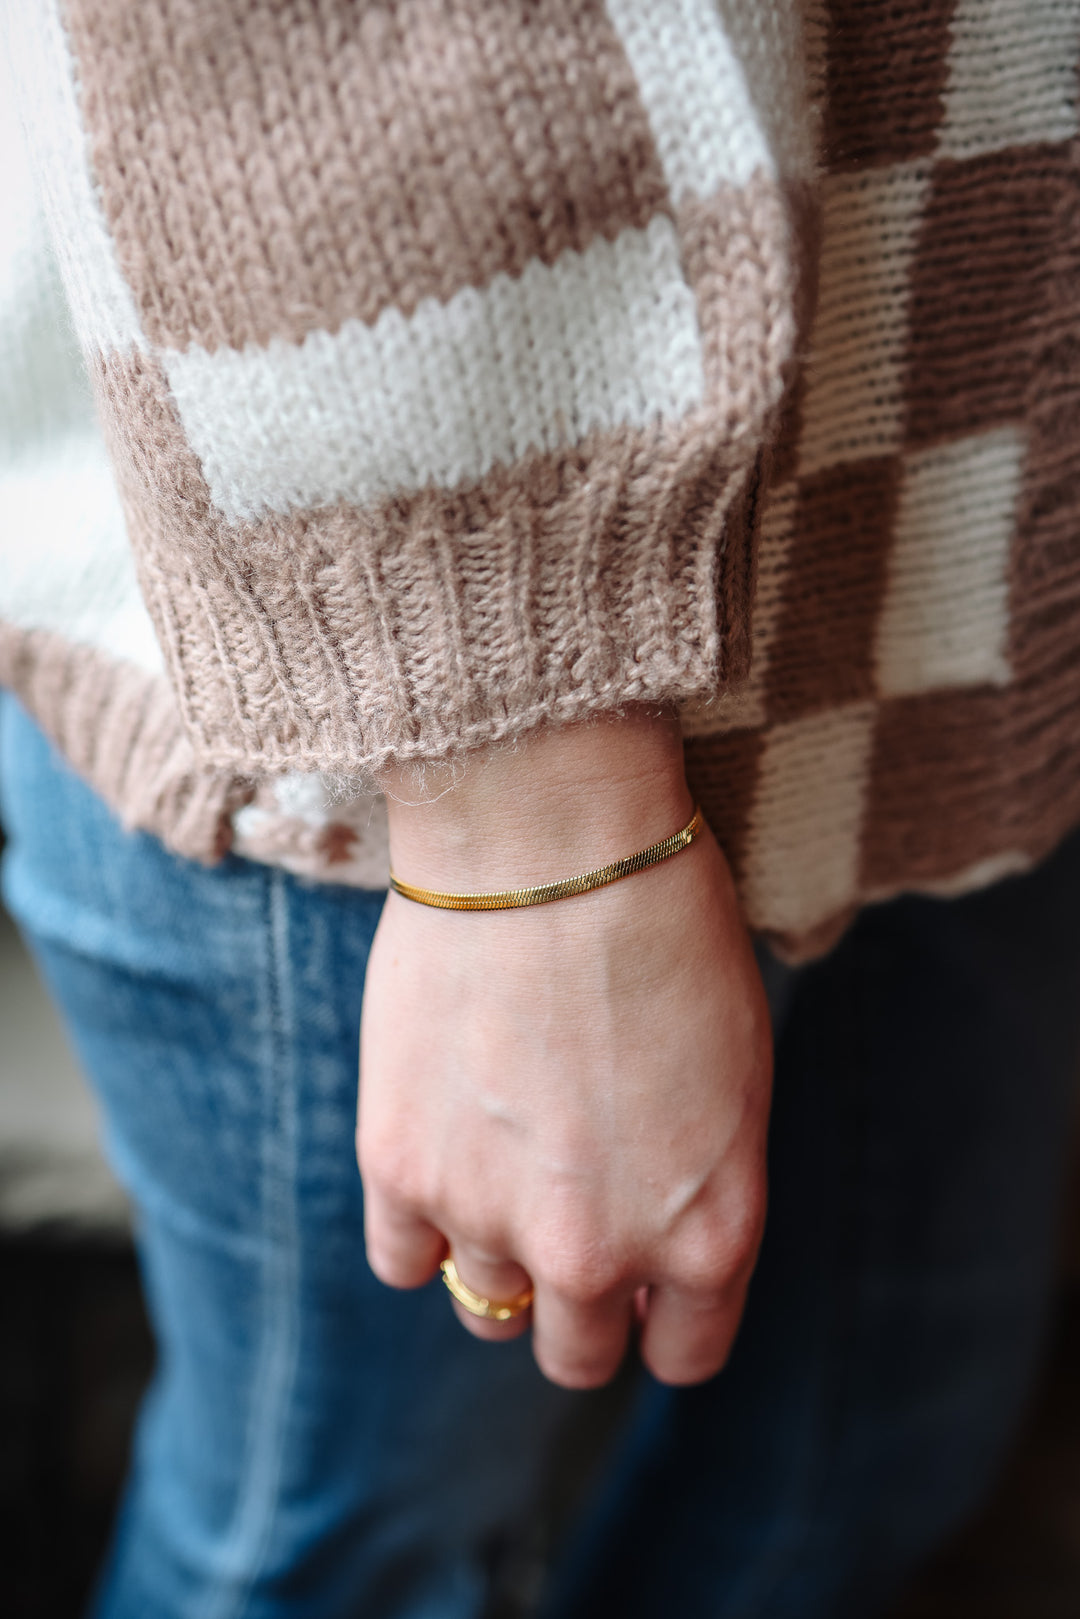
(510, 898)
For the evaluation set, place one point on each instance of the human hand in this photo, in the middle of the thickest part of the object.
(574, 1094)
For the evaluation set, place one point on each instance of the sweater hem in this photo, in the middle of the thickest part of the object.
(119, 729)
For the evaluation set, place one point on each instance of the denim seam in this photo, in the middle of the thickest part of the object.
(250, 1537)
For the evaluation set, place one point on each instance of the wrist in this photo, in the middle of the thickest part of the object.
(562, 799)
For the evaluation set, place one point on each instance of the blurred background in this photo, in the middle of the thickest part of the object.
(75, 1354)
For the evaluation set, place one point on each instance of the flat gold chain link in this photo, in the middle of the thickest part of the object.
(511, 898)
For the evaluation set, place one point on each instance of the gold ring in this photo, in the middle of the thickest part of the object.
(477, 1304)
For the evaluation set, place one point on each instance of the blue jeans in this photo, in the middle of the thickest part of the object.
(315, 1445)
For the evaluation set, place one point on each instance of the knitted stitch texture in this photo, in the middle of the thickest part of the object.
(461, 370)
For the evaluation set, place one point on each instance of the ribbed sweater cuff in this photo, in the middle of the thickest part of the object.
(616, 571)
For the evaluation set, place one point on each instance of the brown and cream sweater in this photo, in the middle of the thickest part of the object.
(466, 365)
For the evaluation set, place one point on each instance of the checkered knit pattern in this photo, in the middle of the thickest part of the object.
(912, 718)
(469, 365)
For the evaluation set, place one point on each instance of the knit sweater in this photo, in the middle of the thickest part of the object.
(470, 365)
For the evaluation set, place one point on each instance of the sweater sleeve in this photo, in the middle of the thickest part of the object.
(437, 344)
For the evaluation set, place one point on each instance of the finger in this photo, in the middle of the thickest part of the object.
(496, 1278)
(403, 1249)
(581, 1345)
(688, 1335)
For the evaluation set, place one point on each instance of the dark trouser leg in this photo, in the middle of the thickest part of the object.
(925, 1079)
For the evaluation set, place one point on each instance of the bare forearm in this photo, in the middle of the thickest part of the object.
(567, 797)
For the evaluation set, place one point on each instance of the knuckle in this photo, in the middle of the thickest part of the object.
(745, 1216)
(392, 1173)
(580, 1276)
(724, 1246)
(744, 1222)
(704, 1270)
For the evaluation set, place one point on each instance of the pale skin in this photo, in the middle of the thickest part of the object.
(574, 1095)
